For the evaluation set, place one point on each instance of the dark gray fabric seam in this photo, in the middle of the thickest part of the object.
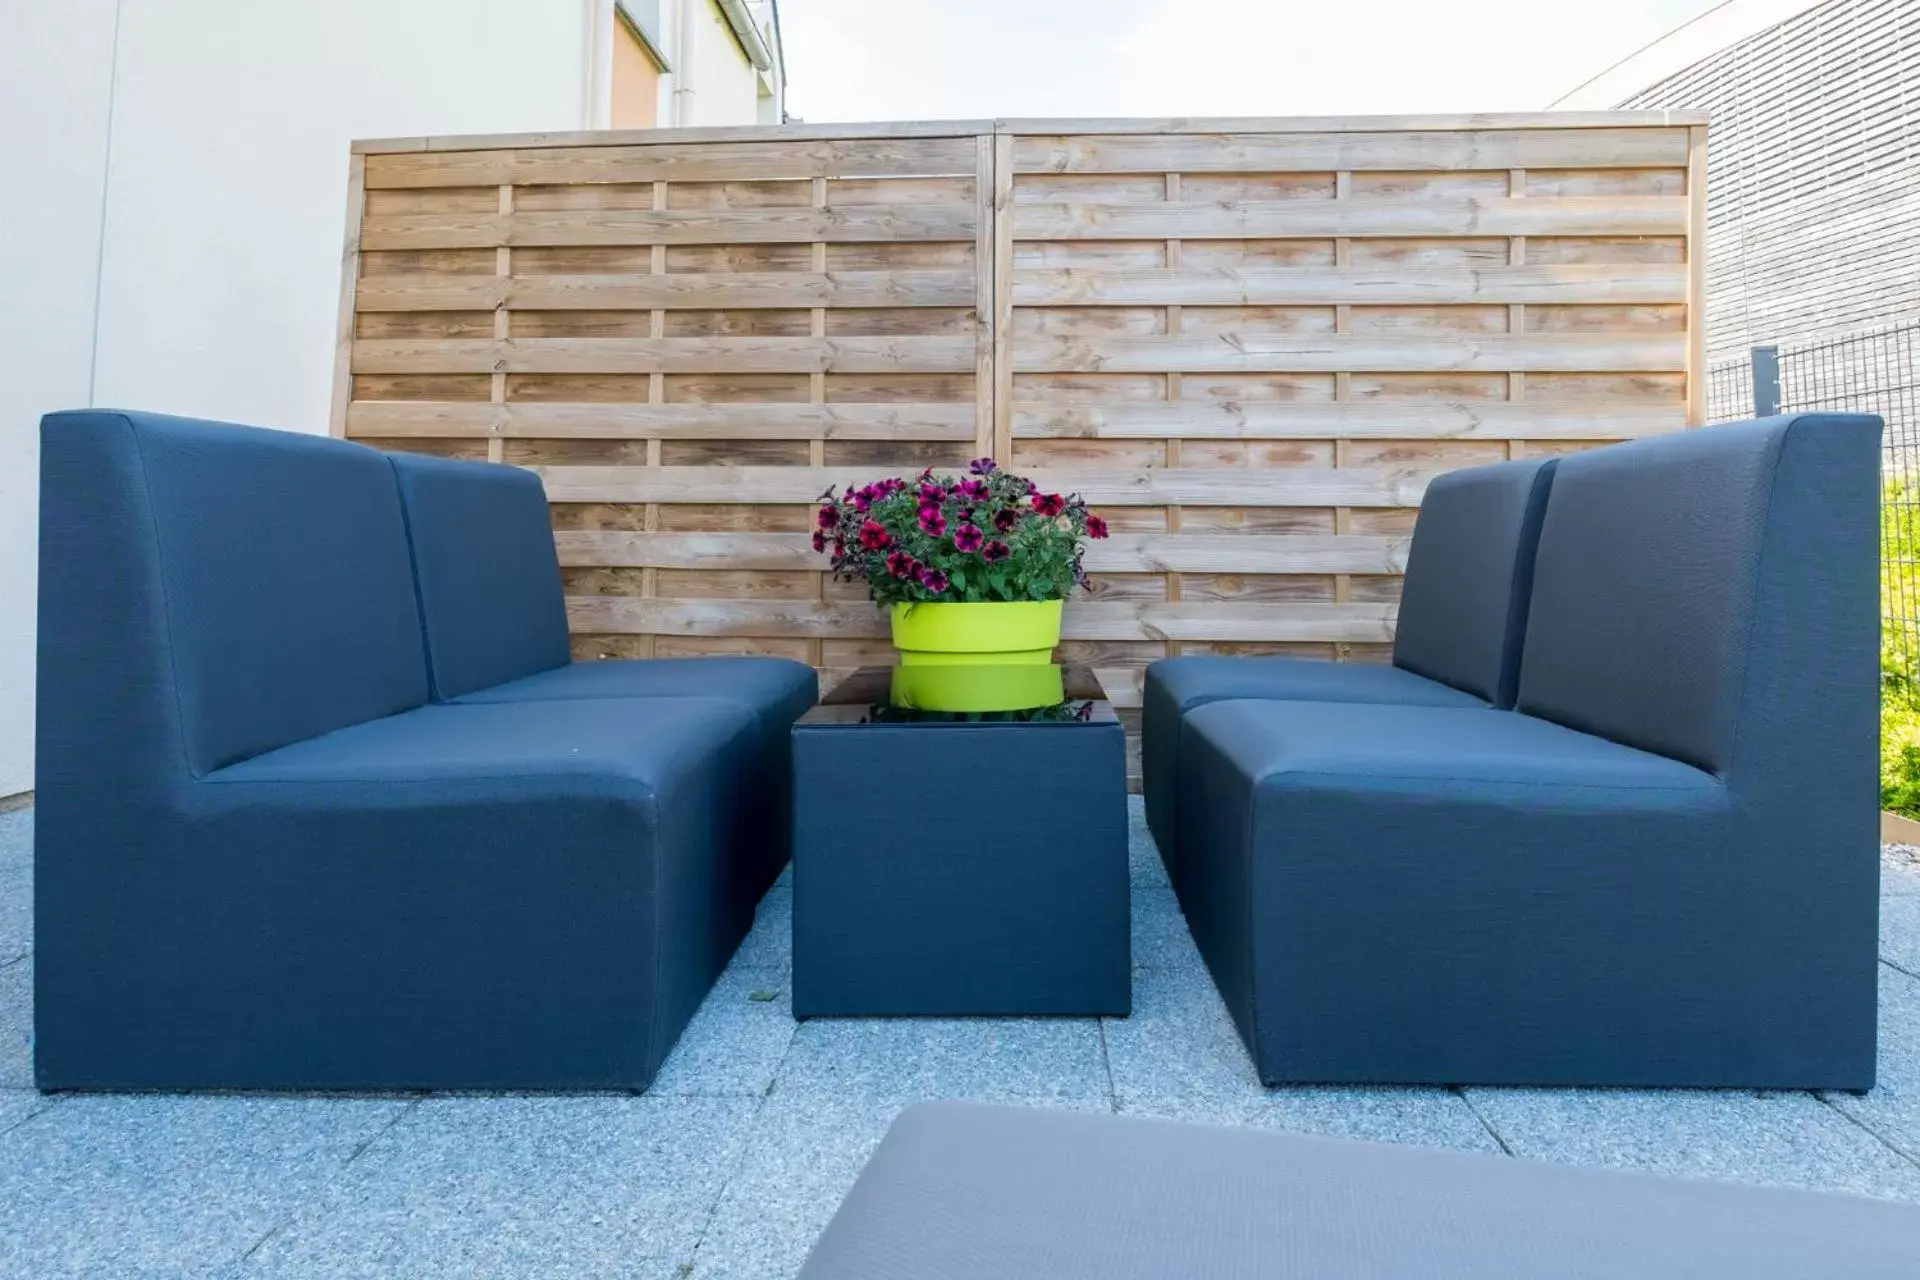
(413, 576)
(166, 603)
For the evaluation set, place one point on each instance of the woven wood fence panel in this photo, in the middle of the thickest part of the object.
(1249, 343)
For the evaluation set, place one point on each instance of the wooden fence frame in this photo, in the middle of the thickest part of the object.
(1337, 442)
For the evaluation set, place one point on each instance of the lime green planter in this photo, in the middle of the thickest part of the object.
(931, 634)
(1001, 686)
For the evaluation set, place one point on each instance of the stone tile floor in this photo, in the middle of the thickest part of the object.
(739, 1154)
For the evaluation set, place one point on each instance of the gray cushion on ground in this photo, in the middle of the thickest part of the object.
(960, 1190)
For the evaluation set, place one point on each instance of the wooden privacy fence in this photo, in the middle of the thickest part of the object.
(1248, 342)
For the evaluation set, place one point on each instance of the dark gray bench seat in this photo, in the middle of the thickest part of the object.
(960, 1191)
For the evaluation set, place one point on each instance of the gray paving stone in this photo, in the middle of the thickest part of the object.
(17, 1106)
(167, 1186)
(735, 1043)
(803, 1155)
(908, 1059)
(1892, 1109)
(16, 908)
(1143, 859)
(517, 1186)
(16, 1024)
(1782, 1139)
(1900, 932)
(769, 944)
(16, 837)
(1421, 1117)
(1160, 936)
(1899, 875)
(1179, 1053)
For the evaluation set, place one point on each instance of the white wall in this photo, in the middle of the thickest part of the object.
(224, 207)
(716, 83)
(55, 71)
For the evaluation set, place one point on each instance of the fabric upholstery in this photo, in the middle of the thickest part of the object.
(776, 691)
(1470, 568)
(484, 565)
(963, 1191)
(1175, 686)
(261, 863)
(1661, 870)
(285, 608)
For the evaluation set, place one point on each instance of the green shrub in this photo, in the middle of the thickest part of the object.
(1899, 647)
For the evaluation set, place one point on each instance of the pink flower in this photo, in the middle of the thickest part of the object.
(902, 565)
(819, 540)
(861, 498)
(828, 516)
(1004, 520)
(1049, 504)
(994, 552)
(968, 538)
(932, 522)
(1096, 527)
(874, 536)
(972, 490)
(932, 579)
(932, 495)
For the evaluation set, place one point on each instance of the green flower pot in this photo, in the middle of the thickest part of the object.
(935, 634)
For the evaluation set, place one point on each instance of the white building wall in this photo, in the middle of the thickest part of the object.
(715, 85)
(223, 208)
(55, 73)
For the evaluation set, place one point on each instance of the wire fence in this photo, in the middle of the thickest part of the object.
(1876, 371)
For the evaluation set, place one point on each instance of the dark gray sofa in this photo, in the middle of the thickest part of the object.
(279, 845)
(960, 1191)
(1660, 868)
(1462, 612)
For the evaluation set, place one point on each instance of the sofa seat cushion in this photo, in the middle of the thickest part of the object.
(624, 750)
(1440, 752)
(779, 691)
(961, 1190)
(1176, 686)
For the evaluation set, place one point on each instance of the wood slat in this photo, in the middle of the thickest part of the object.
(1335, 285)
(1197, 220)
(401, 419)
(675, 162)
(1084, 619)
(1256, 352)
(1121, 553)
(1411, 149)
(1196, 486)
(852, 225)
(666, 355)
(1374, 420)
(681, 291)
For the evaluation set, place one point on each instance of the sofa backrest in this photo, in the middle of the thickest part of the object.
(1710, 596)
(486, 572)
(210, 592)
(1463, 607)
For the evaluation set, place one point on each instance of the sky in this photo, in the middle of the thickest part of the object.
(978, 59)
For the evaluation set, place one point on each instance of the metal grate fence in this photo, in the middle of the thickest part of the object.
(1876, 371)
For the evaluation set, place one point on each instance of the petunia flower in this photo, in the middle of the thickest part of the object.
(874, 536)
(819, 540)
(931, 495)
(968, 538)
(933, 579)
(972, 490)
(1096, 527)
(901, 565)
(1049, 504)
(829, 516)
(983, 466)
(860, 499)
(932, 522)
(994, 552)
(1004, 520)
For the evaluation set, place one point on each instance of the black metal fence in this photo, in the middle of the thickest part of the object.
(1877, 371)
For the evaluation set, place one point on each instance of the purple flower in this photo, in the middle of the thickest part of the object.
(932, 579)
(828, 516)
(1004, 520)
(982, 466)
(874, 536)
(902, 565)
(968, 538)
(861, 498)
(931, 495)
(932, 522)
(1096, 527)
(819, 540)
(994, 552)
(1049, 504)
(972, 490)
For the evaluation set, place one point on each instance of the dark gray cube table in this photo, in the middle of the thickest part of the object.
(955, 863)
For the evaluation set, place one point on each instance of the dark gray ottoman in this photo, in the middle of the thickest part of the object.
(960, 864)
(960, 1191)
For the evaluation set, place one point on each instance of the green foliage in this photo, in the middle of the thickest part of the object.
(986, 536)
(1900, 646)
